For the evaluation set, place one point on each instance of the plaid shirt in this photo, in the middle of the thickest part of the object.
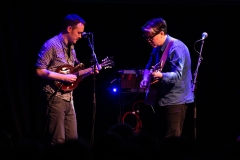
(53, 54)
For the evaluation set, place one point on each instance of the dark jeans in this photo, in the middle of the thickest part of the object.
(169, 120)
(61, 124)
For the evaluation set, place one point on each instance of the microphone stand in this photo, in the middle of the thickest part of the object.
(194, 83)
(95, 63)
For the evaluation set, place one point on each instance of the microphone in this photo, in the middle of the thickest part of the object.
(86, 34)
(204, 35)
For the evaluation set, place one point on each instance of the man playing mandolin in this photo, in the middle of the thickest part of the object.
(167, 79)
(61, 124)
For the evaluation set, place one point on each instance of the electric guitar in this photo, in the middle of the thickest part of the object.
(153, 85)
(80, 71)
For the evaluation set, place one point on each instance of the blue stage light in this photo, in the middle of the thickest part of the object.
(114, 89)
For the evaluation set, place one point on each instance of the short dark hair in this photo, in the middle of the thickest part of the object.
(154, 26)
(72, 20)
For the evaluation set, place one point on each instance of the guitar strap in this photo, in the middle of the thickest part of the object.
(164, 55)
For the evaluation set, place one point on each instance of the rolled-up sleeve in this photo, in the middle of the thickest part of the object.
(44, 56)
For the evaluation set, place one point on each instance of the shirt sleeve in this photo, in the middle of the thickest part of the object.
(174, 65)
(151, 60)
(45, 56)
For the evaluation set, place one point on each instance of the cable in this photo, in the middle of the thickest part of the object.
(135, 113)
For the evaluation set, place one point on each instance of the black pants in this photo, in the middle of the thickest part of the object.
(169, 120)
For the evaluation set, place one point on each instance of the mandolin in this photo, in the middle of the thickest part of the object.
(80, 71)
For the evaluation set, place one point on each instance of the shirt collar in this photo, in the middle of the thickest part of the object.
(63, 42)
(165, 43)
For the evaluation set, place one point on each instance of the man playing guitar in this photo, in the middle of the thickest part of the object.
(169, 85)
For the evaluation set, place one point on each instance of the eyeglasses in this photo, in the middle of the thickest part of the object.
(150, 37)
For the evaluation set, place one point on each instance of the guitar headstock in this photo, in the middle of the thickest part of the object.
(107, 62)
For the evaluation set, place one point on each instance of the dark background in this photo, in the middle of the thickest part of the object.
(26, 25)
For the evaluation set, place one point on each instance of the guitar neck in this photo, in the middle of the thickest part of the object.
(85, 72)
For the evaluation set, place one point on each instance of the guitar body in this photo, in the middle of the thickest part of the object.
(68, 69)
(80, 72)
(153, 86)
(151, 93)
